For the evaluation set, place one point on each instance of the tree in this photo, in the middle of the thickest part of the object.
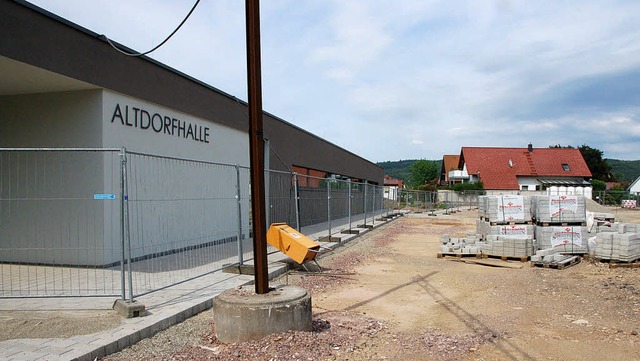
(599, 168)
(598, 185)
(423, 171)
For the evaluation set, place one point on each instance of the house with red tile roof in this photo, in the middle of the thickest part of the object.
(556, 170)
(449, 163)
(391, 186)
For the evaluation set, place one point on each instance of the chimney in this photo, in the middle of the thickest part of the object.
(530, 148)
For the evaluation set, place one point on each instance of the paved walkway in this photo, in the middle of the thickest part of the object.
(164, 309)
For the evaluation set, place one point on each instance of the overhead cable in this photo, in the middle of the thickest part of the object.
(159, 45)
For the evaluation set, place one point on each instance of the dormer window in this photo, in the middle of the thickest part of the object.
(566, 167)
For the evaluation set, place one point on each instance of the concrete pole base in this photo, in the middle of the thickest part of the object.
(242, 315)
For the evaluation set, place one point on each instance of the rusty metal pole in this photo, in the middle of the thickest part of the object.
(256, 147)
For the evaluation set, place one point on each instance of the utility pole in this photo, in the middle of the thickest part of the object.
(256, 147)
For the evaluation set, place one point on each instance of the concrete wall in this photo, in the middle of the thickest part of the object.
(187, 136)
(297, 147)
(176, 204)
(65, 119)
(49, 195)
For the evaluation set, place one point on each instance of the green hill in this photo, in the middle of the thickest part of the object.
(400, 169)
(625, 170)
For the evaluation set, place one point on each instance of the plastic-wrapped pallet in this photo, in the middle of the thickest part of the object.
(485, 228)
(508, 208)
(618, 246)
(566, 239)
(559, 209)
(508, 246)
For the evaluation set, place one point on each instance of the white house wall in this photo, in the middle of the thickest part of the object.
(527, 183)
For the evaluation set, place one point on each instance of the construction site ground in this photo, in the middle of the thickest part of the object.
(385, 296)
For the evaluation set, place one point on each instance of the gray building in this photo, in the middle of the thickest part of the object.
(63, 86)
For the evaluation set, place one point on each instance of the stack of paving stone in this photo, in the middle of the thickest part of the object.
(620, 228)
(485, 229)
(560, 223)
(564, 239)
(623, 245)
(466, 246)
(504, 216)
(546, 255)
(509, 246)
(558, 210)
(505, 209)
(482, 206)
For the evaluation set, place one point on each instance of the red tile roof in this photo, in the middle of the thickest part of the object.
(388, 181)
(449, 162)
(500, 167)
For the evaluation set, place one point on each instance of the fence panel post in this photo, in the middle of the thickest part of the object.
(123, 215)
(126, 237)
(297, 200)
(349, 200)
(329, 206)
(373, 205)
(239, 204)
(365, 204)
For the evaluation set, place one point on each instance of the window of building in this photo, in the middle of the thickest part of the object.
(565, 166)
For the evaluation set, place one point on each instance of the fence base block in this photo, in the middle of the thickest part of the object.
(129, 309)
(329, 239)
(350, 231)
(240, 269)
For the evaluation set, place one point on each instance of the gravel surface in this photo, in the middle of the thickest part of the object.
(385, 296)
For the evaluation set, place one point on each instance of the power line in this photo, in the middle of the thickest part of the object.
(159, 45)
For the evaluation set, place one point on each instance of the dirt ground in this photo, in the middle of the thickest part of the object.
(385, 296)
(55, 324)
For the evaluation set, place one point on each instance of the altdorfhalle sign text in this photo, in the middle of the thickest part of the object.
(159, 123)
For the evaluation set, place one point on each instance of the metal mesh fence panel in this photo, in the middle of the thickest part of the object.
(59, 222)
(340, 203)
(101, 222)
(312, 201)
(183, 219)
(281, 198)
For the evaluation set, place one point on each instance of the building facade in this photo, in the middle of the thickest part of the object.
(64, 86)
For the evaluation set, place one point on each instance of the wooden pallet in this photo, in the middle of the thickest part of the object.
(562, 224)
(560, 265)
(510, 223)
(507, 258)
(614, 263)
(456, 255)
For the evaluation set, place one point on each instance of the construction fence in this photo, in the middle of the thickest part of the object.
(617, 198)
(113, 223)
(445, 200)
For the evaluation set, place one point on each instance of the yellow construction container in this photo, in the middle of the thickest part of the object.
(292, 243)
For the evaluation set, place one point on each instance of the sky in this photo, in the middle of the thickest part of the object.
(409, 79)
